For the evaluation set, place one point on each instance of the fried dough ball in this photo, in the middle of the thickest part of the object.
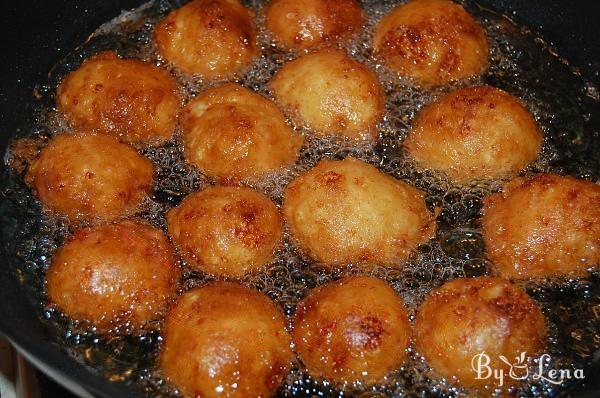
(226, 231)
(209, 38)
(432, 41)
(87, 176)
(466, 317)
(113, 275)
(232, 133)
(544, 226)
(312, 22)
(475, 133)
(225, 340)
(354, 329)
(348, 211)
(331, 93)
(130, 99)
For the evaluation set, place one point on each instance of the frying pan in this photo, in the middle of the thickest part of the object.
(37, 34)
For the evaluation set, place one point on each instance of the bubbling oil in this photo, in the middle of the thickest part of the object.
(520, 63)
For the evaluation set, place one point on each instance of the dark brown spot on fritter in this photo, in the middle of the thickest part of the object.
(329, 178)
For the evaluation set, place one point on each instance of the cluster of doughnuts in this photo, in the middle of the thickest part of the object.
(225, 339)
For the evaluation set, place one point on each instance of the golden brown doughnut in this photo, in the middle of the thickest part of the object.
(432, 41)
(474, 133)
(209, 38)
(130, 99)
(228, 231)
(225, 340)
(348, 211)
(353, 329)
(309, 23)
(331, 93)
(232, 133)
(87, 177)
(544, 226)
(114, 275)
(468, 316)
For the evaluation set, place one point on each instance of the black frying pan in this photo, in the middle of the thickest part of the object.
(36, 34)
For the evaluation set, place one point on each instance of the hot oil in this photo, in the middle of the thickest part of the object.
(521, 63)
